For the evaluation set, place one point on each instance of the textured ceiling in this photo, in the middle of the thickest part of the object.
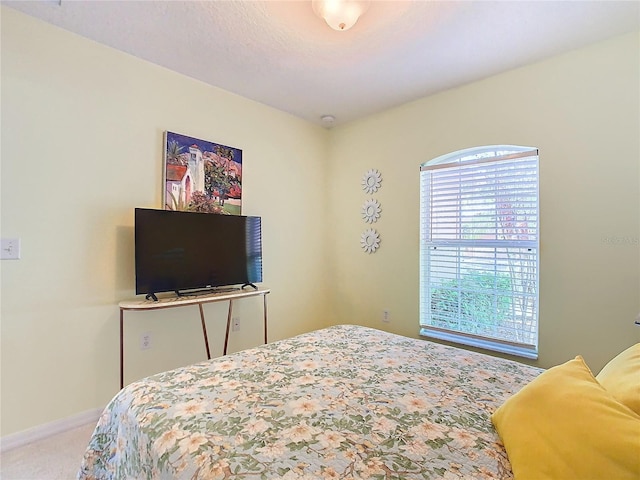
(281, 54)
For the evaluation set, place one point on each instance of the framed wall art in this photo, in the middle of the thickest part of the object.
(201, 176)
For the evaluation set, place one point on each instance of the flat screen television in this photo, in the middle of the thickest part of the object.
(185, 252)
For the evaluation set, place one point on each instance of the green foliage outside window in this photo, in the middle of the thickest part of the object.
(475, 303)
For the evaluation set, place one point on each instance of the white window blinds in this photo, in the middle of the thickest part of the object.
(479, 248)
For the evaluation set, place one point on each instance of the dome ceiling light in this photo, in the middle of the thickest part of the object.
(340, 14)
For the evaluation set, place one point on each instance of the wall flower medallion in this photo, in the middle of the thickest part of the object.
(370, 240)
(371, 210)
(371, 181)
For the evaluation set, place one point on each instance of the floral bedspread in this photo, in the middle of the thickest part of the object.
(345, 402)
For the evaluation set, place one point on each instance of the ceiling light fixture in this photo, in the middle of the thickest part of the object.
(340, 14)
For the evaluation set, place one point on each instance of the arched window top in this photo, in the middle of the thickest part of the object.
(477, 153)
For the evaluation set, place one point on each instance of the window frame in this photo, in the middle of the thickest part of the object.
(459, 160)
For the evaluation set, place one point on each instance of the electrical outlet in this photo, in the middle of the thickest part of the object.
(386, 316)
(235, 324)
(145, 341)
(10, 249)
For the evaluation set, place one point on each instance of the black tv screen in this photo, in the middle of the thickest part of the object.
(182, 251)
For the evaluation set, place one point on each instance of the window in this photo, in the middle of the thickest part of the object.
(479, 248)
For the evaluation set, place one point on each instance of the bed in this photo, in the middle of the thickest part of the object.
(345, 402)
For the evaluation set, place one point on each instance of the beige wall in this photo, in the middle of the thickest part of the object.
(82, 135)
(81, 147)
(582, 110)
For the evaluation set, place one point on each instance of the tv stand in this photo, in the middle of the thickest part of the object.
(151, 296)
(191, 299)
(249, 285)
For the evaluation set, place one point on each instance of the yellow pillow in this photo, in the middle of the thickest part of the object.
(565, 425)
(621, 377)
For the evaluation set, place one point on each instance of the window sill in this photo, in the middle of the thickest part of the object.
(524, 351)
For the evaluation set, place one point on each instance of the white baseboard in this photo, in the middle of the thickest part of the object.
(20, 439)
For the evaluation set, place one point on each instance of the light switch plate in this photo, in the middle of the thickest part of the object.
(10, 249)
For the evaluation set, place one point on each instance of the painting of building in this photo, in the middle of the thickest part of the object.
(201, 176)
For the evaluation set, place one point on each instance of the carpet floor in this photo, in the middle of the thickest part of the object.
(55, 458)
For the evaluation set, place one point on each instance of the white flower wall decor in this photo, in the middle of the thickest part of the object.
(371, 181)
(371, 210)
(370, 240)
